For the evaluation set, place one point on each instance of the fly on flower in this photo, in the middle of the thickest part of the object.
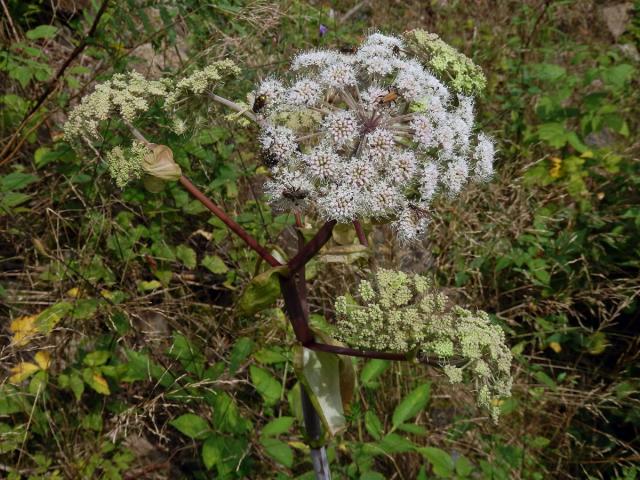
(368, 132)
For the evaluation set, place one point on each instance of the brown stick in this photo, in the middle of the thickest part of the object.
(311, 248)
(362, 238)
(233, 226)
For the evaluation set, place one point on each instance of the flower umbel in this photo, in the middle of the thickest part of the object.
(397, 311)
(375, 134)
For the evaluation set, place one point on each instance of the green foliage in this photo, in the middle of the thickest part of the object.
(135, 295)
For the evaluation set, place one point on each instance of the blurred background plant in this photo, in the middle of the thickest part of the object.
(123, 352)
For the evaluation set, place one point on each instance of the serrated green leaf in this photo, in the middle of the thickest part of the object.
(278, 450)
(240, 352)
(214, 264)
(277, 426)
(265, 384)
(373, 425)
(186, 255)
(226, 415)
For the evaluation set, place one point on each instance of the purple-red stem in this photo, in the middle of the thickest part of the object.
(233, 226)
(362, 238)
(311, 248)
(294, 285)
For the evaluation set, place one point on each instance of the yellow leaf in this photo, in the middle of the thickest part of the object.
(23, 329)
(43, 359)
(555, 346)
(21, 371)
(100, 384)
(106, 294)
(556, 164)
(299, 446)
(74, 292)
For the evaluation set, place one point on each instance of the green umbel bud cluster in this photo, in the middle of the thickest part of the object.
(453, 67)
(400, 312)
(125, 164)
(127, 97)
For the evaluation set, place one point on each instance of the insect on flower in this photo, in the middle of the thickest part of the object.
(259, 103)
(390, 96)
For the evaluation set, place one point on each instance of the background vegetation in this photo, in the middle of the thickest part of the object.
(122, 353)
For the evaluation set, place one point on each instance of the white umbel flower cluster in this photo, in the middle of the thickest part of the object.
(370, 134)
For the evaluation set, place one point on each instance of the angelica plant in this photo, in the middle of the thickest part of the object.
(372, 135)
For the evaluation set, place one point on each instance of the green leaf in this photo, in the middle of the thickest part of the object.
(440, 461)
(192, 426)
(372, 370)
(241, 350)
(230, 454)
(214, 264)
(278, 450)
(270, 355)
(277, 426)
(411, 404)
(266, 385)
(97, 358)
(93, 377)
(41, 31)
(210, 452)
(76, 385)
(261, 292)
(16, 181)
(319, 373)
(371, 475)
(50, 317)
(226, 415)
(554, 134)
(146, 286)
(464, 467)
(412, 428)
(394, 443)
(373, 425)
(186, 255)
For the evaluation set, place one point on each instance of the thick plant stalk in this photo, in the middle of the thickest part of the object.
(313, 426)
(312, 423)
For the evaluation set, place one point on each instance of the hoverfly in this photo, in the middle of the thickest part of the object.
(391, 96)
(259, 103)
